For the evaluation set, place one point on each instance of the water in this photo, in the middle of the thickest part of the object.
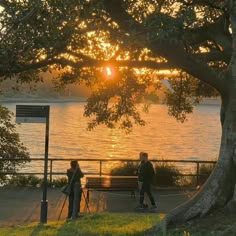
(162, 137)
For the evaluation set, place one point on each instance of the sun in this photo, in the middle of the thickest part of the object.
(108, 71)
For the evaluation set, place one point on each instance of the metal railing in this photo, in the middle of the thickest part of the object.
(100, 165)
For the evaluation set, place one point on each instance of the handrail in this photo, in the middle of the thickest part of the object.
(100, 162)
(105, 159)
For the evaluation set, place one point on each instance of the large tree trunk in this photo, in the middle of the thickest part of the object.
(219, 188)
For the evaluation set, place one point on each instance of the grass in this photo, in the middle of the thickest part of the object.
(91, 224)
(118, 224)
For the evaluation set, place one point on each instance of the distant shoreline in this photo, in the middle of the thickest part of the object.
(41, 100)
(211, 102)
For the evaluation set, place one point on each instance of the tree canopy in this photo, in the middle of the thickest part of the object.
(134, 38)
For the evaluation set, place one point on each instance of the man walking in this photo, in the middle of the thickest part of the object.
(145, 176)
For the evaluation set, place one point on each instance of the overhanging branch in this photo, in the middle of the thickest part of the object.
(172, 50)
(83, 64)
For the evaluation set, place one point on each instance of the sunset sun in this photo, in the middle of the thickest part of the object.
(109, 72)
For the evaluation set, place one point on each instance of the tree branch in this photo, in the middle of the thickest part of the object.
(171, 49)
(83, 64)
(4, 3)
(215, 32)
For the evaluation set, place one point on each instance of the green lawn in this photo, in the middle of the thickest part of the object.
(88, 225)
(134, 224)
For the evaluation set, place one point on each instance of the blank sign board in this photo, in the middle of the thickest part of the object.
(32, 113)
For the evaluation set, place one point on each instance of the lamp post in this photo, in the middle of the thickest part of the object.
(38, 114)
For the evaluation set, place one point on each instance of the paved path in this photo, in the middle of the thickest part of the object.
(22, 205)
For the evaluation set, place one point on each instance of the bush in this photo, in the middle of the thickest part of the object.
(126, 169)
(33, 181)
(204, 172)
(25, 180)
(59, 182)
(13, 153)
(166, 175)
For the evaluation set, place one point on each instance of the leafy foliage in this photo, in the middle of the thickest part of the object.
(13, 154)
(205, 171)
(186, 92)
(115, 101)
(126, 169)
(166, 175)
(78, 39)
(24, 180)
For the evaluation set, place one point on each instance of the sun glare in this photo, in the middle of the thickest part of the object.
(108, 71)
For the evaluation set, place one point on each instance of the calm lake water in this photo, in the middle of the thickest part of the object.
(162, 137)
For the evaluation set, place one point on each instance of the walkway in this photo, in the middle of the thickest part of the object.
(22, 205)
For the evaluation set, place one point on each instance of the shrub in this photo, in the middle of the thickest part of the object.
(59, 182)
(18, 180)
(126, 169)
(13, 153)
(204, 172)
(166, 175)
(25, 180)
(34, 181)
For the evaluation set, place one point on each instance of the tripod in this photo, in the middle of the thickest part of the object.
(63, 205)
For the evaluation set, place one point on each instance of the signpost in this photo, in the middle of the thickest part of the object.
(37, 114)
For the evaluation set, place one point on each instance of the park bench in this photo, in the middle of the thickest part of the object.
(112, 183)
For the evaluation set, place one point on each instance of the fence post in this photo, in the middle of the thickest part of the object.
(100, 167)
(197, 182)
(50, 180)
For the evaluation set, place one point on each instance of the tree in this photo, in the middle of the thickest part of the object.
(12, 152)
(195, 38)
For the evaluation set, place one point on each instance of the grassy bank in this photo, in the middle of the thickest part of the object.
(117, 224)
(91, 224)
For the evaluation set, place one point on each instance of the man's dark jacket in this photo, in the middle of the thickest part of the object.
(145, 172)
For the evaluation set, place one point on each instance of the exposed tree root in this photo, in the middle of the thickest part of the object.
(217, 192)
(229, 231)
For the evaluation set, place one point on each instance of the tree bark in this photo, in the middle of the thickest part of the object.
(218, 191)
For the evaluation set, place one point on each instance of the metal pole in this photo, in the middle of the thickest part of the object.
(44, 201)
(197, 182)
(50, 181)
(100, 168)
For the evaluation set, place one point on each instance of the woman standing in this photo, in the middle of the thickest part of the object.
(74, 175)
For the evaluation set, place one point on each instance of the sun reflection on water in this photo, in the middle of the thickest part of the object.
(162, 137)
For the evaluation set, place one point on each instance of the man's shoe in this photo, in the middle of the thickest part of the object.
(140, 207)
(153, 207)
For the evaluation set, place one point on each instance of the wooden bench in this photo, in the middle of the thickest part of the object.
(112, 183)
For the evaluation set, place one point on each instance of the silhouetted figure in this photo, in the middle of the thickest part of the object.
(145, 177)
(74, 175)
